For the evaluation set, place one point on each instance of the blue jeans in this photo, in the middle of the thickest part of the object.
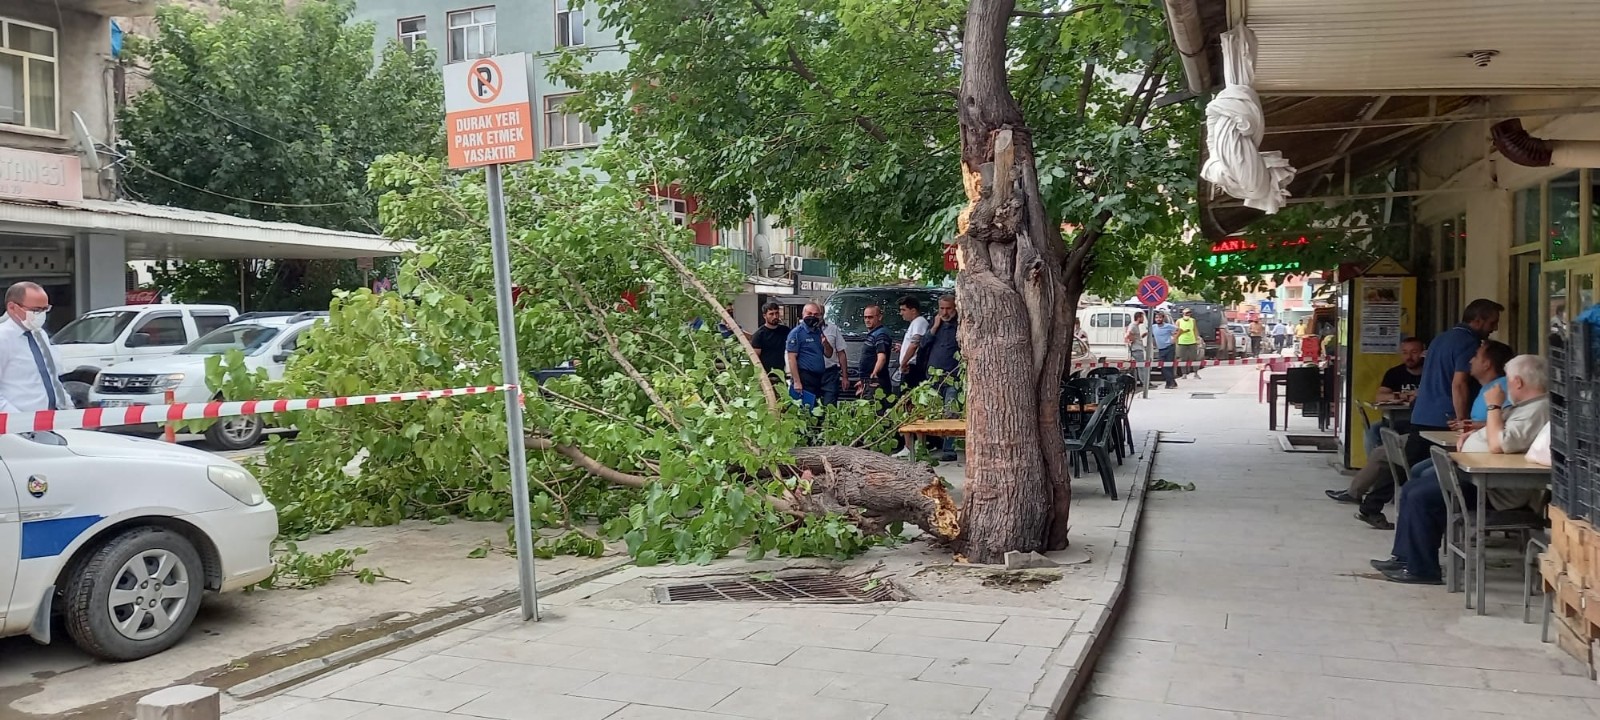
(1166, 355)
(950, 391)
(1420, 531)
(1374, 438)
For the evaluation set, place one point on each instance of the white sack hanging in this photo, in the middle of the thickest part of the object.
(1234, 128)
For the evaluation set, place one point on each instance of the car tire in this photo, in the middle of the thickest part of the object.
(108, 617)
(235, 433)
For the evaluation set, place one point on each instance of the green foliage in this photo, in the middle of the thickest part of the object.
(840, 117)
(272, 114)
(294, 569)
(677, 411)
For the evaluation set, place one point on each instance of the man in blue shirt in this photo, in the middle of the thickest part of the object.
(804, 350)
(1444, 395)
(1165, 335)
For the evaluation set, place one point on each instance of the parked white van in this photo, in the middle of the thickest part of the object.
(1107, 327)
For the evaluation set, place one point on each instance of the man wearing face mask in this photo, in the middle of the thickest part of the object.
(29, 381)
(806, 353)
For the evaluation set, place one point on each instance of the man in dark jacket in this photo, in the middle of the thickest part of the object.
(944, 355)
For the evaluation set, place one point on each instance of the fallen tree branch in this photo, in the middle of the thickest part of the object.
(727, 318)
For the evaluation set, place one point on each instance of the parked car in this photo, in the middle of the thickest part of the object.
(267, 340)
(119, 538)
(1238, 339)
(111, 336)
(1208, 320)
(844, 309)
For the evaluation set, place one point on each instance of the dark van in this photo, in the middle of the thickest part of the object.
(1208, 320)
(844, 309)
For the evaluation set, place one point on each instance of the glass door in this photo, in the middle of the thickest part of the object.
(1528, 332)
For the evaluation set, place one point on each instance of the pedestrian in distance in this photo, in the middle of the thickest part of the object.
(770, 338)
(1190, 347)
(805, 356)
(1165, 335)
(944, 355)
(912, 372)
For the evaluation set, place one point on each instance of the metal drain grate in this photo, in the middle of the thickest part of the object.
(797, 589)
(1203, 396)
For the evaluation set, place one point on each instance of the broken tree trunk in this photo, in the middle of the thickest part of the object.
(871, 488)
(1016, 326)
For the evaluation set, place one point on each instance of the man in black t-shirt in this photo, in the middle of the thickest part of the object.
(769, 338)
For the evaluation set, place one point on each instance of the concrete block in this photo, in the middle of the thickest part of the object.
(1032, 631)
(181, 702)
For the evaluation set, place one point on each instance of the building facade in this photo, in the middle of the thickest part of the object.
(777, 267)
(62, 223)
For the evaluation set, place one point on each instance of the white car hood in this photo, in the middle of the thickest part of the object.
(163, 365)
(109, 445)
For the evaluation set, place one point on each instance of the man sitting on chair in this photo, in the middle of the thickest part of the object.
(1510, 430)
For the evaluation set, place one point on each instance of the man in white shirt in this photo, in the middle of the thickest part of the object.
(29, 381)
(912, 374)
(1135, 338)
(835, 364)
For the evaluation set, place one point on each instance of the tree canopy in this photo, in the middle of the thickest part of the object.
(840, 116)
(272, 113)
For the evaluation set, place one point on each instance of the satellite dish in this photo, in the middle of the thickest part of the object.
(85, 141)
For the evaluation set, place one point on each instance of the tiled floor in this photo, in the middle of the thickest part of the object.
(1252, 598)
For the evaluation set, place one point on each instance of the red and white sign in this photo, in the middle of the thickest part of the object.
(143, 297)
(487, 116)
(27, 175)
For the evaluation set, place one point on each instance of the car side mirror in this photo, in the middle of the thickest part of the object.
(139, 340)
(282, 356)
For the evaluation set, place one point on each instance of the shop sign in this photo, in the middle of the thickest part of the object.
(27, 175)
(143, 297)
(816, 285)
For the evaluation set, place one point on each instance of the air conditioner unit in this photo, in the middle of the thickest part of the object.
(796, 263)
(778, 260)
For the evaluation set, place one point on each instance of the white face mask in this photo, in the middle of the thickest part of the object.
(33, 319)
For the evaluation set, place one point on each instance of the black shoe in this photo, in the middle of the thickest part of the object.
(1390, 565)
(1173, 386)
(947, 457)
(1343, 496)
(1376, 520)
(1405, 577)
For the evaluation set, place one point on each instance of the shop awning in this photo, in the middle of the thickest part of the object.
(158, 232)
(1349, 87)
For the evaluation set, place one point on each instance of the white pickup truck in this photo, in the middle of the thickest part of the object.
(110, 336)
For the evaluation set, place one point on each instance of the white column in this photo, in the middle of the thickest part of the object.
(101, 266)
(1485, 274)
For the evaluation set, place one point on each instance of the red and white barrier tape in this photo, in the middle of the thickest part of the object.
(1181, 363)
(102, 417)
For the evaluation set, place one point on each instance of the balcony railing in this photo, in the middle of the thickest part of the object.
(741, 260)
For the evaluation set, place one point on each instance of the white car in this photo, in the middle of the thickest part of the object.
(267, 340)
(120, 536)
(102, 338)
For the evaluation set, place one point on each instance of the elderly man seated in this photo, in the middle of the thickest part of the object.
(1510, 429)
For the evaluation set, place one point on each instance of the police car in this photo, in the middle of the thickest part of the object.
(120, 536)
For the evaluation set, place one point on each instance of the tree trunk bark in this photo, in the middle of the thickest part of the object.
(876, 490)
(1016, 323)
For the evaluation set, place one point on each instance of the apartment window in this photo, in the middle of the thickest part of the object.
(676, 209)
(413, 32)
(28, 82)
(471, 33)
(564, 129)
(569, 24)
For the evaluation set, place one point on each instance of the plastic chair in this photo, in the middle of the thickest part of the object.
(1276, 365)
(1092, 441)
(1461, 539)
(1531, 582)
(1394, 451)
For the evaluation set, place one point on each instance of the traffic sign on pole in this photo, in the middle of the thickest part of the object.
(1153, 291)
(490, 122)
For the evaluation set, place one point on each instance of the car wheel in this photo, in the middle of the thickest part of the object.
(234, 433)
(134, 596)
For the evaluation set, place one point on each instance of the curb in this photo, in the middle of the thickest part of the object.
(303, 671)
(1058, 692)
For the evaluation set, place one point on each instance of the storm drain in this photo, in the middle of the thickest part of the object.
(796, 589)
(1203, 396)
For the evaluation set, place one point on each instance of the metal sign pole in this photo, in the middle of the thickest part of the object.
(1149, 350)
(512, 377)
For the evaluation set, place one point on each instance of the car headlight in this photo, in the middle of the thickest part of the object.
(167, 382)
(238, 483)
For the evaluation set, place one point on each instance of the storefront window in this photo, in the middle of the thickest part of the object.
(1564, 211)
(1556, 285)
(1527, 225)
(1585, 288)
(1594, 211)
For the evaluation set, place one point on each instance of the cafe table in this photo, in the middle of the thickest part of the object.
(1397, 413)
(1488, 471)
(1442, 438)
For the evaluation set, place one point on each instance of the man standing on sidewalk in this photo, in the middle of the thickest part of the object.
(1134, 339)
(912, 373)
(1258, 332)
(945, 356)
(804, 350)
(29, 381)
(1190, 347)
(769, 339)
(1165, 335)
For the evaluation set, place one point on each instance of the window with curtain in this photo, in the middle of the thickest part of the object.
(472, 33)
(29, 92)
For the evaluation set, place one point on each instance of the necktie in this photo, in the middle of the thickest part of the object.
(44, 369)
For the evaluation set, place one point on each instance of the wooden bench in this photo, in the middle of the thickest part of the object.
(957, 427)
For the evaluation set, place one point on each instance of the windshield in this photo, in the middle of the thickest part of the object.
(247, 337)
(96, 328)
(845, 308)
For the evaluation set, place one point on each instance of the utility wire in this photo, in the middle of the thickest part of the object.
(267, 203)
